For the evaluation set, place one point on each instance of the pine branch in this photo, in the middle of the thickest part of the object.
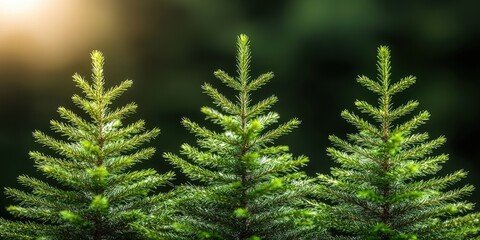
(221, 100)
(261, 107)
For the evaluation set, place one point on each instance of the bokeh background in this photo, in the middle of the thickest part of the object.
(170, 47)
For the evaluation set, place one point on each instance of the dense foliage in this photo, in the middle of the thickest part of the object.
(242, 185)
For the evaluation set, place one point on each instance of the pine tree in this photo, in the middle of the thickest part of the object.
(97, 196)
(247, 187)
(383, 188)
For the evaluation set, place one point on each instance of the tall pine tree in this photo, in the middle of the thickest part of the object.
(97, 197)
(383, 188)
(247, 187)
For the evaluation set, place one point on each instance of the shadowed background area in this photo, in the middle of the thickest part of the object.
(316, 48)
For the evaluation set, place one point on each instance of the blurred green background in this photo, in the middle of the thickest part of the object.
(316, 48)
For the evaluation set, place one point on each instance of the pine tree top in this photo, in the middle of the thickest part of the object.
(382, 188)
(248, 188)
(96, 195)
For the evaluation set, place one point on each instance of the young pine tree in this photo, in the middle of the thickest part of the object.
(383, 188)
(248, 188)
(97, 197)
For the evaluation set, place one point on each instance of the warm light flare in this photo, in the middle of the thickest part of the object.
(44, 34)
(18, 7)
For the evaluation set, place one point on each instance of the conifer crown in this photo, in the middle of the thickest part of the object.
(96, 195)
(380, 189)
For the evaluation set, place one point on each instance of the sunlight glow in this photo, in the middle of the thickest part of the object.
(47, 34)
(18, 7)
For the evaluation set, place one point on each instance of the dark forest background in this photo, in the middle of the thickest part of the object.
(316, 48)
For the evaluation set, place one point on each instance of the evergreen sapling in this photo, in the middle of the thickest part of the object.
(248, 188)
(383, 188)
(97, 197)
